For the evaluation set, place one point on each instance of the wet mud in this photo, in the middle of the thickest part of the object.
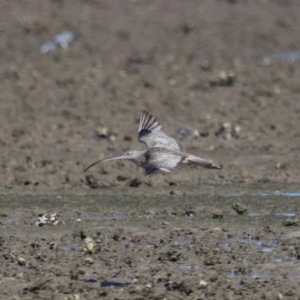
(222, 243)
(222, 77)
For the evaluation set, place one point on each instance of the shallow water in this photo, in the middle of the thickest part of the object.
(178, 233)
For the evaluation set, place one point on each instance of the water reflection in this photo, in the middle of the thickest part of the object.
(117, 284)
(286, 56)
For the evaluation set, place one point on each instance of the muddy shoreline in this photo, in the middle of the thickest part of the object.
(222, 77)
(176, 245)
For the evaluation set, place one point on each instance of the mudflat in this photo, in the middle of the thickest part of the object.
(222, 77)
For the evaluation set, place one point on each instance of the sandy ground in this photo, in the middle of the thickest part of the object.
(226, 70)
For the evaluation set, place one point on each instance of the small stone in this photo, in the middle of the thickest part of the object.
(89, 244)
(290, 222)
(112, 137)
(216, 229)
(211, 260)
(223, 78)
(20, 275)
(89, 260)
(21, 261)
(53, 245)
(217, 214)
(52, 218)
(239, 208)
(202, 283)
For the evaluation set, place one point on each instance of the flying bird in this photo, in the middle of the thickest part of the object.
(162, 153)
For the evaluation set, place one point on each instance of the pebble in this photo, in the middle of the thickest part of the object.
(202, 283)
(21, 261)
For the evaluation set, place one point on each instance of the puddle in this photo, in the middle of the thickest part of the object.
(286, 56)
(189, 267)
(284, 194)
(100, 217)
(67, 249)
(258, 243)
(117, 284)
(90, 280)
(184, 241)
(12, 219)
(224, 245)
(230, 274)
(291, 194)
(267, 250)
(256, 276)
(242, 240)
(185, 267)
(279, 214)
(257, 214)
(264, 194)
(286, 214)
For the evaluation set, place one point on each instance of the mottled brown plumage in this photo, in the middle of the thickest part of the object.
(162, 153)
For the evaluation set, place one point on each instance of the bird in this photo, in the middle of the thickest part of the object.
(163, 152)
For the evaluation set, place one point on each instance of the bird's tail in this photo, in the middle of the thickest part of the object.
(205, 163)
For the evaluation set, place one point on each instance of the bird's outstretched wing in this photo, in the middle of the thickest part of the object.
(151, 134)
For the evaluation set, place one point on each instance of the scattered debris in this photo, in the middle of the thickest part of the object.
(89, 260)
(89, 244)
(21, 261)
(90, 247)
(53, 245)
(217, 214)
(185, 131)
(211, 260)
(61, 40)
(102, 132)
(91, 181)
(202, 284)
(46, 219)
(239, 208)
(227, 131)
(223, 78)
(289, 57)
(290, 222)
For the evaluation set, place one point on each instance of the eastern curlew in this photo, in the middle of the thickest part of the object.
(162, 153)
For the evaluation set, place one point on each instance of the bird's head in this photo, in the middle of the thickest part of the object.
(131, 155)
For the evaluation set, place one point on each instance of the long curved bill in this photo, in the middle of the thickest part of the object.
(105, 159)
